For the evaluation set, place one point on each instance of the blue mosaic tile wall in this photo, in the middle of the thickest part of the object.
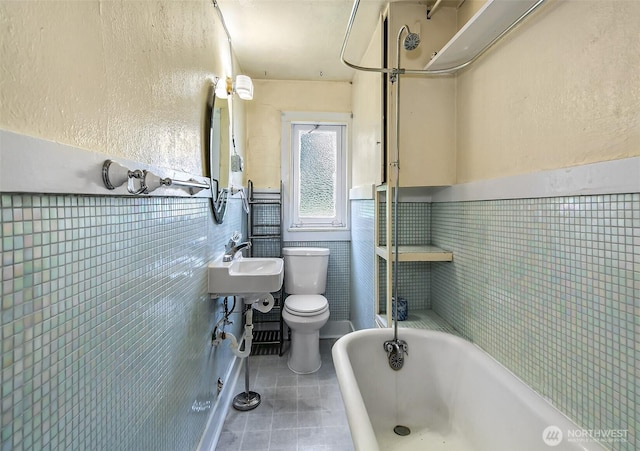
(106, 321)
(414, 220)
(264, 217)
(551, 289)
(362, 264)
(338, 277)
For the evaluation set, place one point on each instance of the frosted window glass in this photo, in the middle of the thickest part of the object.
(318, 180)
(318, 168)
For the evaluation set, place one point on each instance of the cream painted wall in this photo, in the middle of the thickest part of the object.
(128, 78)
(467, 10)
(561, 90)
(427, 104)
(270, 99)
(239, 135)
(366, 138)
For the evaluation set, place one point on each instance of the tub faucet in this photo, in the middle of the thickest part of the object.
(232, 248)
(396, 349)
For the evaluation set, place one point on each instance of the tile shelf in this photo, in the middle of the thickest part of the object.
(425, 253)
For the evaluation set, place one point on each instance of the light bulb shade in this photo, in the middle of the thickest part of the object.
(244, 87)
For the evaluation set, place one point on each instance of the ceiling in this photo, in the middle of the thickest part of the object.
(298, 39)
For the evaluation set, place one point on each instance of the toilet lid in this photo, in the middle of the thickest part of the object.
(306, 304)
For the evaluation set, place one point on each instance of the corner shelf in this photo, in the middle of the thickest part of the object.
(386, 252)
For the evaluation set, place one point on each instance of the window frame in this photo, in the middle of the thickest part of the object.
(316, 231)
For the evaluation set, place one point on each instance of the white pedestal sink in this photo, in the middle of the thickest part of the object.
(252, 279)
(245, 277)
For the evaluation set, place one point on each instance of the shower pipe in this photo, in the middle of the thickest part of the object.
(396, 349)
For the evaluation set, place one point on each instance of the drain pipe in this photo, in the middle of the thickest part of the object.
(247, 400)
(247, 336)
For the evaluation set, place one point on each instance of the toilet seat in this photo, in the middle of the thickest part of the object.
(306, 304)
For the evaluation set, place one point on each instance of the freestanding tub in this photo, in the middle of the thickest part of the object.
(450, 394)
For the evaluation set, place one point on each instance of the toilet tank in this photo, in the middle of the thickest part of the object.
(305, 269)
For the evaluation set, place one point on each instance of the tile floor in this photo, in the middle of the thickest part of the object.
(297, 412)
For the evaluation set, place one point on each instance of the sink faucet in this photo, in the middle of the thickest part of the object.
(232, 248)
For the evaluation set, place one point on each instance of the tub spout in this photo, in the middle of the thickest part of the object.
(396, 349)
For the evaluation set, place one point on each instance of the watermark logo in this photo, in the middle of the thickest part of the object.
(597, 435)
(552, 436)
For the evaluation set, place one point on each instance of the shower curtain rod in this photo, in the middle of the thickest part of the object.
(427, 72)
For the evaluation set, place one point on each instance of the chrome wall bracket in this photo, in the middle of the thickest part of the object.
(115, 175)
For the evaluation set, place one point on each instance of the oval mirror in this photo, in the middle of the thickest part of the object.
(218, 153)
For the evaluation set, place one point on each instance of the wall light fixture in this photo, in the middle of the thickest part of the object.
(243, 86)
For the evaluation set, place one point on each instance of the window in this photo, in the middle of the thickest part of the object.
(317, 175)
(316, 182)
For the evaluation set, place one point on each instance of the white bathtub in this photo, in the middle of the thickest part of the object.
(450, 394)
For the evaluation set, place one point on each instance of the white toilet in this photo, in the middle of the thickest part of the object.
(305, 309)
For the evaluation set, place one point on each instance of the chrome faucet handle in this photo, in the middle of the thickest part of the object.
(389, 346)
(233, 241)
(233, 248)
